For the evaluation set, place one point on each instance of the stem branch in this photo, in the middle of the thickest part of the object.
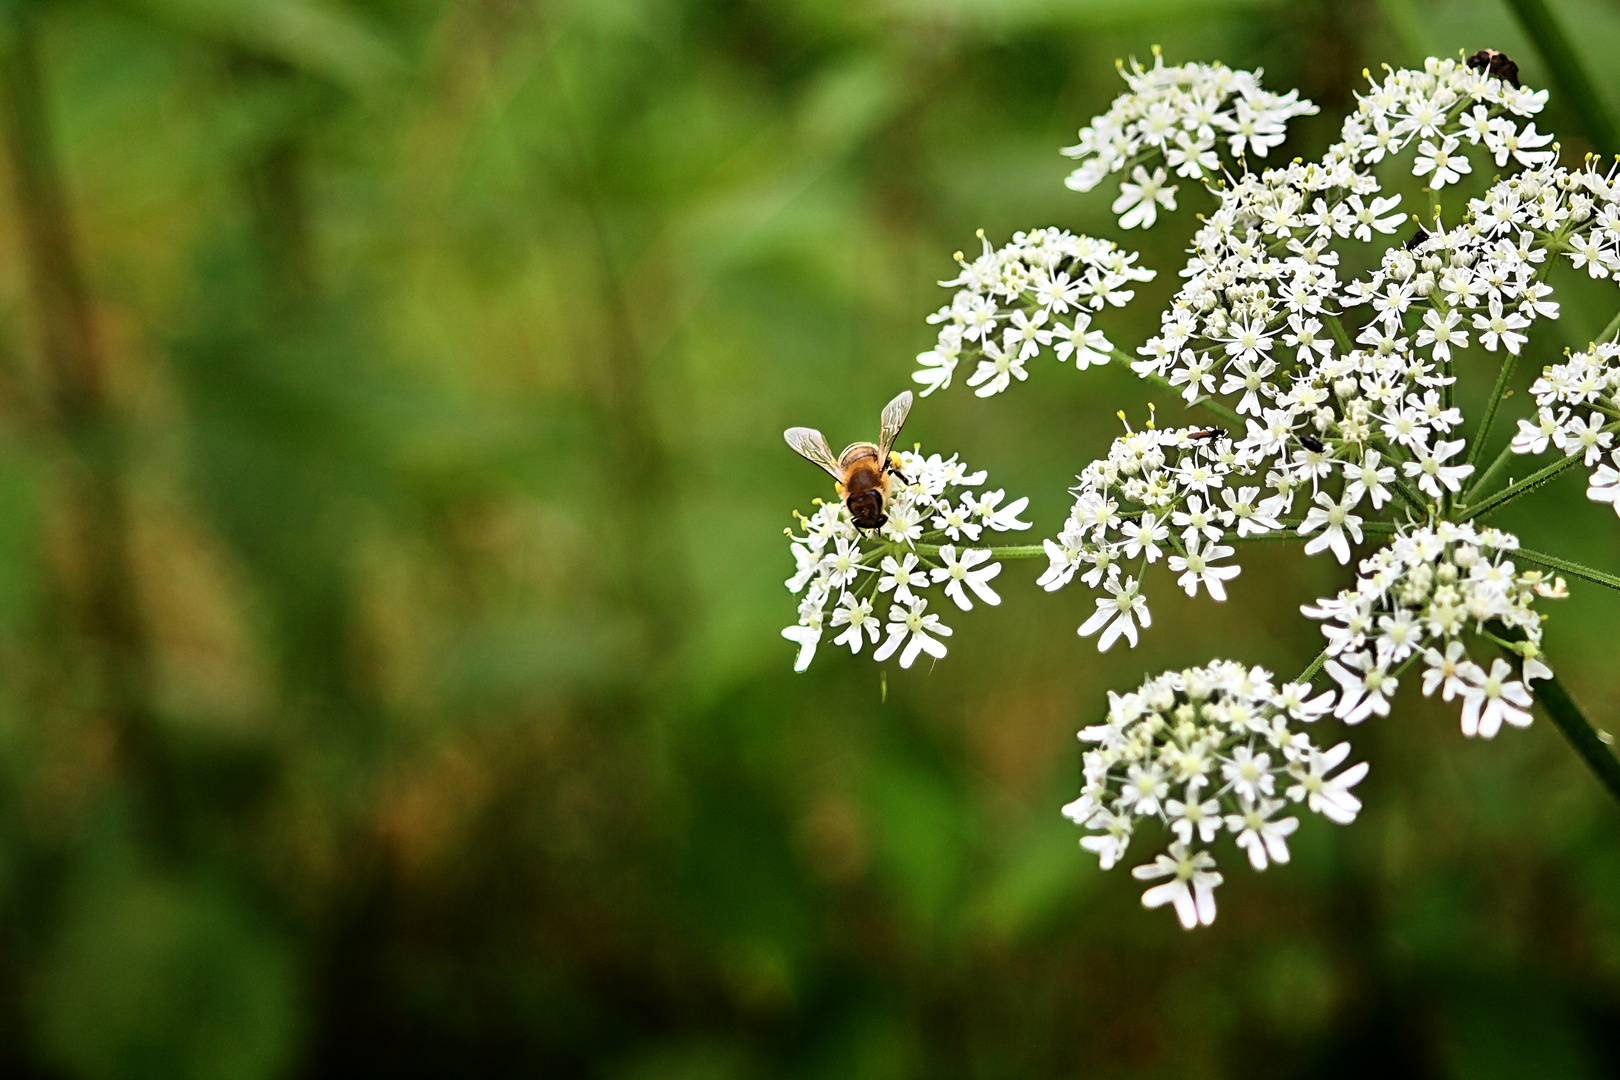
(1490, 410)
(1586, 573)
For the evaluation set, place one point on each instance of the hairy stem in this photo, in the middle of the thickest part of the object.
(1016, 551)
(1525, 486)
(1484, 431)
(1313, 667)
(1339, 333)
(1575, 569)
(1608, 332)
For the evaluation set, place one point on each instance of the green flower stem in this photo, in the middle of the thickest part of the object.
(1016, 551)
(1513, 491)
(1289, 532)
(1574, 569)
(1488, 475)
(1525, 486)
(1577, 90)
(1210, 405)
(1592, 747)
(1490, 410)
(1339, 333)
(1315, 666)
(1610, 330)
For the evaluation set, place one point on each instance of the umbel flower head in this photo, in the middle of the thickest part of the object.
(1415, 600)
(1333, 418)
(1202, 752)
(875, 587)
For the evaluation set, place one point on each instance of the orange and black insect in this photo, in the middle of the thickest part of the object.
(863, 469)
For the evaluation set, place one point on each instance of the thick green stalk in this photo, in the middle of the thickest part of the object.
(1579, 94)
(1609, 331)
(1575, 569)
(1555, 701)
(1315, 666)
(1339, 333)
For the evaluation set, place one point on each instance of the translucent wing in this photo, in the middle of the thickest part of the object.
(894, 418)
(811, 445)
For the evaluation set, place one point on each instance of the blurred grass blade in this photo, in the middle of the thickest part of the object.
(1568, 72)
(1008, 15)
(306, 34)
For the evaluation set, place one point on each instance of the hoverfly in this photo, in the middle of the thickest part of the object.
(863, 469)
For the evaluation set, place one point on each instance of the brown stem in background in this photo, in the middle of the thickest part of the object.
(73, 369)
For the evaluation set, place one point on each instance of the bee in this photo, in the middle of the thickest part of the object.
(863, 469)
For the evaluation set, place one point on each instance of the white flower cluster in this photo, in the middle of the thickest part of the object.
(934, 521)
(1371, 423)
(1262, 279)
(1414, 600)
(1576, 402)
(1158, 494)
(1203, 751)
(1439, 108)
(1040, 291)
(1179, 115)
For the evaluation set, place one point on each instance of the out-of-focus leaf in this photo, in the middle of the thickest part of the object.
(1036, 880)
(155, 979)
(1088, 14)
(310, 35)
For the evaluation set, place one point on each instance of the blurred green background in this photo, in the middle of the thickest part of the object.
(391, 561)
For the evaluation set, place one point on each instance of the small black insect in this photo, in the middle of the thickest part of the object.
(1312, 443)
(1199, 436)
(1495, 64)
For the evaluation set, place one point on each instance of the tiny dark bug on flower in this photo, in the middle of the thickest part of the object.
(1312, 443)
(1496, 65)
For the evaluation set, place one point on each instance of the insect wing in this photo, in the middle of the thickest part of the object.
(811, 445)
(894, 418)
